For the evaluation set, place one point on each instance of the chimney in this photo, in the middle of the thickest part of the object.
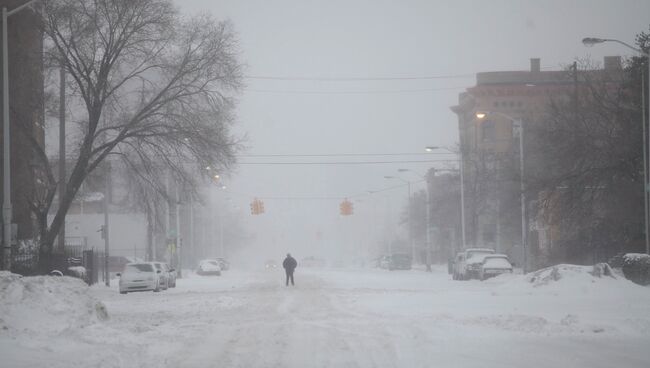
(534, 65)
(612, 63)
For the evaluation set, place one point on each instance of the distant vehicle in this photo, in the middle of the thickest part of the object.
(225, 265)
(468, 263)
(312, 261)
(209, 267)
(493, 265)
(163, 274)
(399, 261)
(271, 264)
(383, 262)
(139, 277)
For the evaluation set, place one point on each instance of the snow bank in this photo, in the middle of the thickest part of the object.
(46, 304)
(566, 273)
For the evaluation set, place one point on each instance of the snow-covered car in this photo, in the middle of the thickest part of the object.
(225, 265)
(209, 267)
(139, 277)
(271, 264)
(468, 263)
(493, 265)
(163, 274)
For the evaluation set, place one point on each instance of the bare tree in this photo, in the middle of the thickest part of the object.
(591, 181)
(155, 89)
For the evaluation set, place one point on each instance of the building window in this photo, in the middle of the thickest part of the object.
(488, 131)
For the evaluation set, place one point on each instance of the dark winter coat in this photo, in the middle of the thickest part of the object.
(290, 264)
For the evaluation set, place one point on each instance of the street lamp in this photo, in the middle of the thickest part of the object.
(410, 212)
(462, 189)
(591, 41)
(522, 187)
(7, 210)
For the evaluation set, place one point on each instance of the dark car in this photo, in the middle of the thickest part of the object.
(400, 262)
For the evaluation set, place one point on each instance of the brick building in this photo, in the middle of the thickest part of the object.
(490, 148)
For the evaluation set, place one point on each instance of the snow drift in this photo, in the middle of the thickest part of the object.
(46, 304)
(567, 273)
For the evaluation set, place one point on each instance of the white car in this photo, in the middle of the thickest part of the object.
(468, 263)
(494, 265)
(139, 277)
(209, 267)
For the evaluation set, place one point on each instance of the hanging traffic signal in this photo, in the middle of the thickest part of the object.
(257, 207)
(346, 208)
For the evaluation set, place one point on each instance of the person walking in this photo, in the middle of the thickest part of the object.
(289, 265)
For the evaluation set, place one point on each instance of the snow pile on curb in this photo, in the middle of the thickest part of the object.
(46, 304)
(566, 273)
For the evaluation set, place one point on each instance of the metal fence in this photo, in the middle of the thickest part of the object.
(27, 263)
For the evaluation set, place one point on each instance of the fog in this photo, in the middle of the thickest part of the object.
(343, 183)
(324, 42)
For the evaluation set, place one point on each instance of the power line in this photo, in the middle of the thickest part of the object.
(346, 154)
(346, 162)
(360, 79)
(333, 198)
(355, 79)
(365, 92)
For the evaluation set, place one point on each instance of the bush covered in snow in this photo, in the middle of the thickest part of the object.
(636, 268)
(46, 304)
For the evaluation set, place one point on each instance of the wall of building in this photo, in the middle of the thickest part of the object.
(25, 44)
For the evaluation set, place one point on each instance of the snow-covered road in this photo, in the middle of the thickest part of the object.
(361, 318)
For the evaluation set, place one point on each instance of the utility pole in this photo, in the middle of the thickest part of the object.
(191, 234)
(221, 232)
(522, 185)
(645, 160)
(62, 174)
(107, 190)
(498, 209)
(430, 173)
(178, 232)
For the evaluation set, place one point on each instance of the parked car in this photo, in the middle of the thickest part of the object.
(493, 265)
(399, 261)
(271, 264)
(384, 262)
(468, 263)
(139, 277)
(163, 274)
(225, 265)
(209, 267)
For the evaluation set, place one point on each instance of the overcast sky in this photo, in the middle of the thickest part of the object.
(357, 39)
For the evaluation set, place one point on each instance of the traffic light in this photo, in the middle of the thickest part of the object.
(257, 207)
(346, 208)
